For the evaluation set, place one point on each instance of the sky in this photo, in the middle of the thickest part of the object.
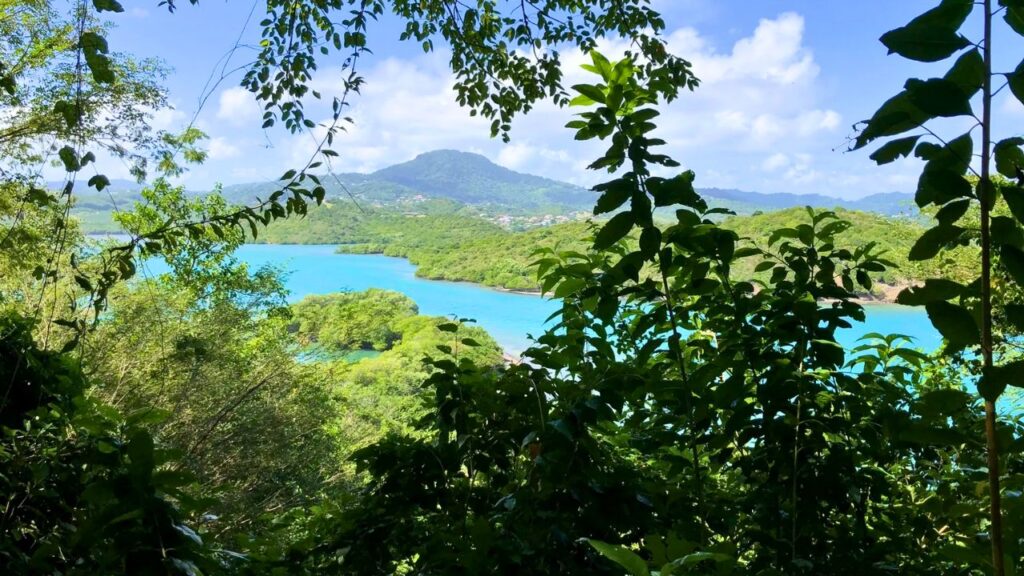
(783, 83)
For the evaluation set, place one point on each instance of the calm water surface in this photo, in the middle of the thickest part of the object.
(510, 318)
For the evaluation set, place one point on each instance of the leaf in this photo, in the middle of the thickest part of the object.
(613, 196)
(953, 212)
(99, 182)
(1014, 196)
(1013, 260)
(933, 290)
(933, 35)
(1015, 18)
(590, 91)
(938, 97)
(140, 454)
(1015, 80)
(894, 150)
(94, 48)
(968, 72)
(995, 379)
(896, 116)
(1006, 231)
(1015, 315)
(678, 190)
(650, 241)
(934, 240)
(69, 158)
(614, 230)
(940, 187)
(1009, 157)
(634, 565)
(954, 322)
(107, 6)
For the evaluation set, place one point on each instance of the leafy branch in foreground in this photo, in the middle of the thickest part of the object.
(964, 313)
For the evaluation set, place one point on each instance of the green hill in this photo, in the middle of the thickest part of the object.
(474, 184)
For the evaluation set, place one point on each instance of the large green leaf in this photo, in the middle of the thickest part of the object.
(1016, 81)
(107, 6)
(933, 290)
(968, 72)
(896, 116)
(952, 212)
(1009, 157)
(634, 565)
(934, 240)
(614, 230)
(939, 97)
(933, 35)
(942, 180)
(1015, 316)
(891, 151)
(954, 322)
(613, 195)
(995, 379)
(94, 47)
(1014, 196)
(1015, 18)
(1013, 260)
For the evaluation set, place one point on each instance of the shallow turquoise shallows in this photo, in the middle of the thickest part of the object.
(510, 318)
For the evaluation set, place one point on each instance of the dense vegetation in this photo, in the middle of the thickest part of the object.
(461, 246)
(679, 418)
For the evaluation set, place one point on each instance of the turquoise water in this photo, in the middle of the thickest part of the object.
(511, 318)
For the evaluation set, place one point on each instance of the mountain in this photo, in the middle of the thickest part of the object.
(473, 179)
(449, 180)
(889, 204)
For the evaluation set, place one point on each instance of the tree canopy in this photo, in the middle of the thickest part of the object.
(689, 411)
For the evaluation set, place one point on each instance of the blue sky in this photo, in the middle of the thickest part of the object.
(783, 83)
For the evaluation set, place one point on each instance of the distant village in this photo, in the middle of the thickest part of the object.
(507, 221)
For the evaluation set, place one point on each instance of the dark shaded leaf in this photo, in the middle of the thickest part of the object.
(891, 151)
(934, 240)
(954, 322)
(933, 290)
(614, 230)
(938, 97)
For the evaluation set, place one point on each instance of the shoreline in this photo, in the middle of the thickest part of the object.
(889, 292)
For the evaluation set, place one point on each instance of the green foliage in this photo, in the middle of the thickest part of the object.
(352, 321)
(893, 237)
(85, 490)
(690, 412)
(680, 418)
(970, 212)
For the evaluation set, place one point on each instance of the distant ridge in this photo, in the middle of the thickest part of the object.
(888, 203)
(473, 180)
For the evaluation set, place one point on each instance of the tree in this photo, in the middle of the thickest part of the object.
(963, 313)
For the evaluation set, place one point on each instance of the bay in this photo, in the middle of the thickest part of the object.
(509, 317)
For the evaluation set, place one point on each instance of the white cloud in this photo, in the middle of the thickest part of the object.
(170, 119)
(801, 171)
(237, 106)
(775, 162)
(759, 120)
(219, 148)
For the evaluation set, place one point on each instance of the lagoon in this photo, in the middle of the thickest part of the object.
(509, 317)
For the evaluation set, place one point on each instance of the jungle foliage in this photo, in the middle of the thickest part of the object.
(681, 417)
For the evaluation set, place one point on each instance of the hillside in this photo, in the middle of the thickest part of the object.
(457, 245)
(513, 199)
